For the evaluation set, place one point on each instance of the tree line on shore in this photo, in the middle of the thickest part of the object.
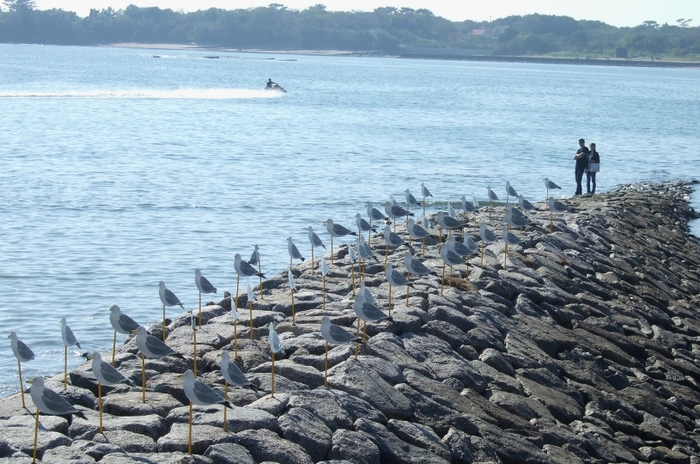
(384, 30)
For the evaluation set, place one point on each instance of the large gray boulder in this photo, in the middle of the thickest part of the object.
(360, 380)
(300, 373)
(67, 454)
(467, 449)
(155, 458)
(564, 402)
(203, 436)
(512, 447)
(391, 348)
(271, 404)
(526, 407)
(394, 450)
(237, 419)
(447, 332)
(132, 404)
(22, 439)
(420, 436)
(95, 450)
(151, 425)
(300, 426)
(443, 362)
(323, 404)
(468, 403)
(387, 370)
(128, 442)
(452, 316)
(433, 414)
(265, 445)
(47, 423)
(229, 453)
(353, 446)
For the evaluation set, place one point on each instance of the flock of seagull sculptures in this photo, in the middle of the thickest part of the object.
(452, 252)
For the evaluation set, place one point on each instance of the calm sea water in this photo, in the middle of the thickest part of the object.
(118, 169)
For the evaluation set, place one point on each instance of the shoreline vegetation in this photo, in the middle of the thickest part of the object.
(424, 55)
(584, 346)
(386, 31)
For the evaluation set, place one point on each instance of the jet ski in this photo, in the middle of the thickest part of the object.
(276, 88)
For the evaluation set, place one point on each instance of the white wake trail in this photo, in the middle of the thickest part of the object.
(145, 94)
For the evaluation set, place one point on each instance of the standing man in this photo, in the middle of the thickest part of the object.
(581, 158)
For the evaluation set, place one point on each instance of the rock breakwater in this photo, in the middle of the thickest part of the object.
(585, 349)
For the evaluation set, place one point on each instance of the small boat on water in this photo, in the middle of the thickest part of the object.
(276, 88)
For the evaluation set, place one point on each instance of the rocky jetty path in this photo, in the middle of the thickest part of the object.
(586, 349)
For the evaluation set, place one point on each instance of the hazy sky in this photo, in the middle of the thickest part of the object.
(614, 12)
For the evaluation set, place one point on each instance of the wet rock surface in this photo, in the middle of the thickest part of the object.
(586, 348)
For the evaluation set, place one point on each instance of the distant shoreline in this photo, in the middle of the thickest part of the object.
(457, 57)
(205, 48)
(555, 60)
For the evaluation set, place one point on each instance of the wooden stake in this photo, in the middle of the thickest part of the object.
(272, 394)
(408, 287)
(189, 437)
(99, 399)
(312, 258)
(294, 321)
(143, 378)
(389, 300)
(114, 346)
(325, 373)
(226, 398)
(551, 218)
(36, 433)
(353, 278)
(442, 284)
(21, 386)
(164, 329)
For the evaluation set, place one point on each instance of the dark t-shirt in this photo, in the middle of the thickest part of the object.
(582, 163)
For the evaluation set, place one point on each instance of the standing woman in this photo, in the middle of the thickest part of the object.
(593, 168)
